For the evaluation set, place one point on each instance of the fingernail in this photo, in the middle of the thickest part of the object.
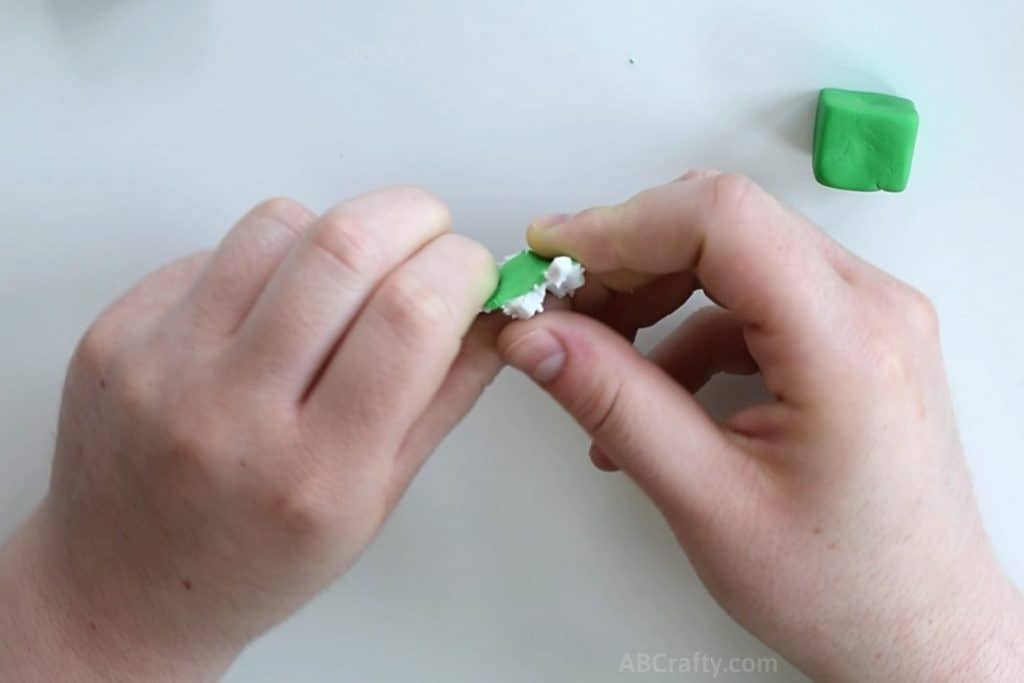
(539, 354)
(549, 221)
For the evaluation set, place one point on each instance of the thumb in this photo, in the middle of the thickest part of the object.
(646, 423)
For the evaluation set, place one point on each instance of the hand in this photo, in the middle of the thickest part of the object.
(836, 522)
(235, 430)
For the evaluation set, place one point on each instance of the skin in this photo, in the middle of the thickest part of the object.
(236, 429)
(837, 522)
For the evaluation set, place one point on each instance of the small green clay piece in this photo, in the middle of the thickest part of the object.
(516, 277)
(864, 141)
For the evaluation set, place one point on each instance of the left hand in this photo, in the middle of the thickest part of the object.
(236, 429)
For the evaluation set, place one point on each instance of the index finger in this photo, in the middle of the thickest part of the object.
(774, 269)
(750, 254)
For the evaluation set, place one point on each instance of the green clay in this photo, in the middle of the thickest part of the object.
(864, 141)
(518, 276)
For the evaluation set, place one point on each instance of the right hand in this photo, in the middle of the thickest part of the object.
(837, 522)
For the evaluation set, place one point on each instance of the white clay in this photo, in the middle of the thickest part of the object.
(526, 306)
(564, 277)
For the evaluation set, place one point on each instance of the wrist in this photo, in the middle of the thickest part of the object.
(978, 637)
(53, 628)
(997, 654)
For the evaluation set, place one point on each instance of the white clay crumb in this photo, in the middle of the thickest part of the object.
(563, 278)
(526, 306)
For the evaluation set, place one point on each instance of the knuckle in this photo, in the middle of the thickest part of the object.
(591, 217)
(474, 256)
(138, 378)
(919, 312)
(190, 265)
(601, 220)
(411, 307)
(305, 510)
(195, 432)
(888, 361)
(904, 312)
(94, 350)
(423, 200)
(186, 429)
(884, 352)
(344, 239)
(608, 247)
(135, 392)
(600, 410)
(283, 210)
(734, 198)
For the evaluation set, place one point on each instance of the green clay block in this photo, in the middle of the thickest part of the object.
(517, 277)
(864, 141)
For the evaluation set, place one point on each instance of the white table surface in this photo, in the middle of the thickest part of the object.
(132, 131)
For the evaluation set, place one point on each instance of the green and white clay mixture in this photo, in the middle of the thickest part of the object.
(525, 279)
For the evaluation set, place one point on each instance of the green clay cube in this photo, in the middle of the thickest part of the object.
(864, 141)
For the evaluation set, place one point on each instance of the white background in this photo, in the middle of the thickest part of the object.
(132, 131)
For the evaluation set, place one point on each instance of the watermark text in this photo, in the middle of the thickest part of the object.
(696, 663)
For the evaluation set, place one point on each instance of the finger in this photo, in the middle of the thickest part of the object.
(709, 342)
(620, 280)
(636, 414)
(591, 299)
(398, 352)
(628, 313)
(474, 369)
(601, 460)
(746, 248)
(626, 281)
(244, 262)
(758, 259)
(326, 278)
